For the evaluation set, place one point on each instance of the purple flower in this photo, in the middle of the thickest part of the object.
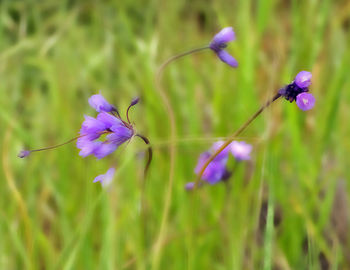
(223, 155)
(105, 179)
(241, 150)
(112, 130)
(99, 103)
(219, 43)
(303, 79)
(23, 154)
(296, 91)
(214, 172)
(305, 101)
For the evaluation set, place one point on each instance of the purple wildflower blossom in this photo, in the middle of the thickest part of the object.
(219, 43)
(214, 172)
(115, 130)
(100, 104)
(105, 179)
(305, 101)
(240, 150)
(296, 91)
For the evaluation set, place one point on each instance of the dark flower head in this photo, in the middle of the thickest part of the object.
(296, 91)
(219, 43)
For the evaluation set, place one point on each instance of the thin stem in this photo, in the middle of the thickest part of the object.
(57, 145)
(233, 136)
(127, 114)
(172, 151)
(175, 57)
(150, 153)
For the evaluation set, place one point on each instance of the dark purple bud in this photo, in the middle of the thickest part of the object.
(134, 101)
(23, 154)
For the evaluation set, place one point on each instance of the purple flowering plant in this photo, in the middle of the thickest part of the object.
(102, 135)
(217, 170)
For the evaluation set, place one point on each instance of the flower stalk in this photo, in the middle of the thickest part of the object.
(232, 137)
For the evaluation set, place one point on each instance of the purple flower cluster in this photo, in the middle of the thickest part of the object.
(102, 135)
(217, 170)
(219, 43)
(297, 91)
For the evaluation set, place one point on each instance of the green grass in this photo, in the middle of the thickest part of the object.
(55, 54)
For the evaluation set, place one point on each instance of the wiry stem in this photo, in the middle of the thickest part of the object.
(150, 153)
(233, 136)
(172, 151)
(175, 57)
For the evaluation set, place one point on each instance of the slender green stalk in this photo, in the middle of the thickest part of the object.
(233, 136)
(172, 151)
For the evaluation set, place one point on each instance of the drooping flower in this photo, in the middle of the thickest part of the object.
(241, 150)
(219, 43)
(105, 179)
(100, 104)
(296, 91)
(113, 130)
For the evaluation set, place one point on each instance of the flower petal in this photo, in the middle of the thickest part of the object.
(241, 150)
(227, 58)
(104, 149)
(303, 79)
(100, 104)
(105, 179)
(305, 101)
(108, 120)
(225, 35)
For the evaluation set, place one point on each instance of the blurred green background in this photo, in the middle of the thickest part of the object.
(289, 206)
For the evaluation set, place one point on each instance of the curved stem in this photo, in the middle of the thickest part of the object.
(172, 151)
(57, 145)
(175, 57)
(150, 153)
(233, 136)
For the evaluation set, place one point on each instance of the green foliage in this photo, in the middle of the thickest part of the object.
(280, 213)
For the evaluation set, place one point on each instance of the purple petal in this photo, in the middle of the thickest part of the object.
(104, 149)
(214, 172)
(227, 58)
(108, 120)
(86, 146)
(241, 150)
(305, 101)
(100, 104)
(189, 186)
(91, 125)
(225, 35)
(303, 79)
(105, 179)
(223, 155)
